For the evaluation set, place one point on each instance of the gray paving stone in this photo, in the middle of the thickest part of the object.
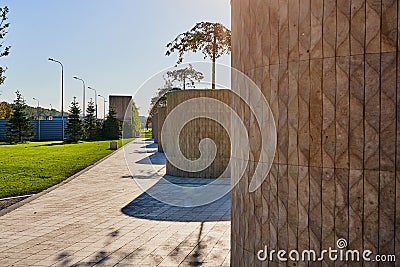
(103, 218)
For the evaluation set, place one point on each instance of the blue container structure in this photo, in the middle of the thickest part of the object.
(50, 130)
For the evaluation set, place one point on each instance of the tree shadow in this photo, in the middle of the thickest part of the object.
(52, 144)
(66, 258)
(6, 144)
(33, 144)
(194, 258)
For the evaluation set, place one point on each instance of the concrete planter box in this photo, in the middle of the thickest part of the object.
(198, 129)
(113, 145)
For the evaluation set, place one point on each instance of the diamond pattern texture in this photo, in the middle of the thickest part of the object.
(330, 71)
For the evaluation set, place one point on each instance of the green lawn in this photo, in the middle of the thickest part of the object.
(146, 133)
(32, 167)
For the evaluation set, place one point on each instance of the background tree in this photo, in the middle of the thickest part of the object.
(90, 122)
(111, 126)
(5, 110)
(132, 123)
(19, 127)
(212, 39)
(74, 128)
(137, 123)
(31, 112)
(4, 51)
(186, 76)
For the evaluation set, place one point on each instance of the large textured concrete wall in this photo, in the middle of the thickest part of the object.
(329, 70)
(154, 127)
(198, 129)
(161, 115)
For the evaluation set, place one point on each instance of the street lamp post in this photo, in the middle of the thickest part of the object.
(38, 115)
(62, 94)
(77, 78)
(95, 98)
(51, 110)
(104, 107)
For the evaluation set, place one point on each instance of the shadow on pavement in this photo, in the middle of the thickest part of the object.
(169, 198)
(157, 158)
(147, 207)
(194, 257)
(152, 145)
(101, 257)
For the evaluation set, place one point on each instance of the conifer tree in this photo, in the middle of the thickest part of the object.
(90, 122)
(74, 128)
(19, 128)
(111, 126)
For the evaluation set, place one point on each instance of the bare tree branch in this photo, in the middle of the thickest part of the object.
(3, 31)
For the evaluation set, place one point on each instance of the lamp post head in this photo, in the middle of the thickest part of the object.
(77, 78)
(91, 88)
(51, 59)
(36, 100)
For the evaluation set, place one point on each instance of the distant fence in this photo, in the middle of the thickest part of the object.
(50, 130)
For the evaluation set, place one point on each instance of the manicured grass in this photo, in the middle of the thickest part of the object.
(146, 133)
(32, 167)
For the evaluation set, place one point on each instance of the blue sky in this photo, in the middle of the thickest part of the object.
(115, 46)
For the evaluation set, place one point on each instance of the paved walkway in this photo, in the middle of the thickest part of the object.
(102, 218)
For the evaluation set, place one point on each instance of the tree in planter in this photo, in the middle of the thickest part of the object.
(90, 122)
(111, 126)
(186, 76)
(162, 91)
(19, 128)
(74, 128)
(212, 39)
(160, 100)
(3, 31)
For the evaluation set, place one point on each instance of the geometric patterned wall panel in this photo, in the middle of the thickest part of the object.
(330, 71)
